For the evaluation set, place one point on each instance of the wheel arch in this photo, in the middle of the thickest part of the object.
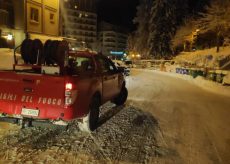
(98, 95)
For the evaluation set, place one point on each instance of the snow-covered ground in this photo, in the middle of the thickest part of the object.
(165, 120)
(203, 58)
(203, 83)
(193, 121)
(126, 135)
(6, 58)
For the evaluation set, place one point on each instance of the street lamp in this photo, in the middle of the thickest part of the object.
(9, 37)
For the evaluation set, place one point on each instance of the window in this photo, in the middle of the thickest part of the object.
(52, 18)
(34, 17)
(105, 64)
(79, 65)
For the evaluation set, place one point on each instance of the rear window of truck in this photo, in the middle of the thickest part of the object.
(79, 64)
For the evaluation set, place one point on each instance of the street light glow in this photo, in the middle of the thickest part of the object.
(9, 37)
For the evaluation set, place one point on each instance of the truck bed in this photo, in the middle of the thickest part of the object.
(30, 95)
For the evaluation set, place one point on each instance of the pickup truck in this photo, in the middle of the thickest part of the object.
(41, 93)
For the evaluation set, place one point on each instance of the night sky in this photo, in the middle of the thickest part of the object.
(119, 12)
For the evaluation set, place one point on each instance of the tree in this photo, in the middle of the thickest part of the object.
(131, 42)
(142, 32)
(161, 25)
(217, 19)
(184, 34)
(164, 18)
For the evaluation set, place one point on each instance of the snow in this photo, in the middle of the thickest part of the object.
(166, 119)
(203, 83)
(226, 79)
(203, 58)
(7, 58)
(134, 141)
(193, 121)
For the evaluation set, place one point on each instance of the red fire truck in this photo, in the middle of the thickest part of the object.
(57, 85)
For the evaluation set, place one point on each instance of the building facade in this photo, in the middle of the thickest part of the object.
(112, 39)
(42, 17)
(79, 22)
(6, 13)
(34, 18)
(6, 23)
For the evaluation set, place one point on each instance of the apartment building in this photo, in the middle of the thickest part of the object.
(37, 18)
(79, 22)
(112, 39)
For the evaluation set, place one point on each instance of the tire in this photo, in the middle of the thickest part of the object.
(90, 121)
(54, 47)
(122, 97)
(46, 58)
(62, 50)
(26, 50)
(37, 52)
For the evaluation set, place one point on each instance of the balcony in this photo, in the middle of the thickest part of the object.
(110, 40)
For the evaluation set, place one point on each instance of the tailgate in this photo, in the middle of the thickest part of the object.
(32, 95)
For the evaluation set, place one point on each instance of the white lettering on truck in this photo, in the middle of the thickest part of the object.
(8, 96)
(29, 99)
(45, 100)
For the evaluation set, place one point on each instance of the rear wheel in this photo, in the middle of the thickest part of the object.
(122, 97)
(90, 121)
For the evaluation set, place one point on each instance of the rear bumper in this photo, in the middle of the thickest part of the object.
(44, 113)
(9, 119)
(36, 123)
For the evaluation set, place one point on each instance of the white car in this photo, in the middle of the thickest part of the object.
(120, 64)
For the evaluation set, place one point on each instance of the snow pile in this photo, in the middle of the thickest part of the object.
(203, 58)
(7, 59)
(126, 135)
(212, 86)
(171, 68)
(203, 83)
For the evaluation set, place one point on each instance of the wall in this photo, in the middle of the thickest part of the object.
(42, 17)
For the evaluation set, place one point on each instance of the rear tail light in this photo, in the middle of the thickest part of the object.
(70, 94)
(68, 86)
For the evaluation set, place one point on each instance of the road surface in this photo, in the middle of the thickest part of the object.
(165, 120)
(194, 123)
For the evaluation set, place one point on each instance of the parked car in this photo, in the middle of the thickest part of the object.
(130, 64)
(119, 64)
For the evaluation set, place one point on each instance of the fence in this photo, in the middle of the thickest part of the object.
(152, 64)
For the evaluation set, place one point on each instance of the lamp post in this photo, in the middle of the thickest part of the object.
(194, 37)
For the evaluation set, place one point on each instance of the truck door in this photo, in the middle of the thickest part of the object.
(110, 85)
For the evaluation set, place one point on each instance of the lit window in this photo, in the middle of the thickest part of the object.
(34, 15)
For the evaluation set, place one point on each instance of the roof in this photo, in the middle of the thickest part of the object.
(82, 53)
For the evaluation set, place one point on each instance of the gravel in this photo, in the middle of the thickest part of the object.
(126, 134)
